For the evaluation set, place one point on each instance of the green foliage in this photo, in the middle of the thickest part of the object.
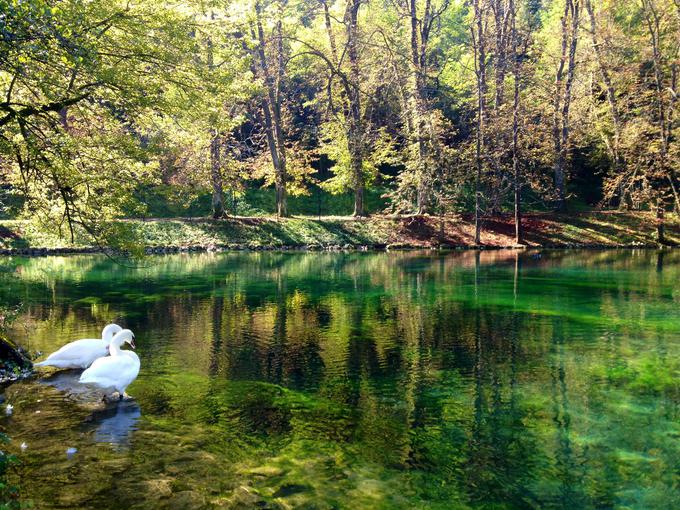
(79, 79)
(8, 493)
(111, 109)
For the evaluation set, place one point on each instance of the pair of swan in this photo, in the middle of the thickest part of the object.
(110, 373)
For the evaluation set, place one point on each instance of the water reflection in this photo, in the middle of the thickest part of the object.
(373, 380)
(114, 424)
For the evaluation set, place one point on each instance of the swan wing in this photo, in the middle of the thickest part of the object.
(77, 353)
(77, 348)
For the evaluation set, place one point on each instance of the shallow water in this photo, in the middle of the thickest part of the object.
(361, 380)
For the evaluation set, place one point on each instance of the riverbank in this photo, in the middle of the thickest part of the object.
(582, 230)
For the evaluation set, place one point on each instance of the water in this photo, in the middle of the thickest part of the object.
(409, 380)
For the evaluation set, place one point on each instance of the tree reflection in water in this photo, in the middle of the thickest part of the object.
(379, 380)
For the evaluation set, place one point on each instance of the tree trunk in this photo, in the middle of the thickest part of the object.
(515, 127)
(271, 109)
(355, 132)
(216, 176)
(480, 68)
(215, 162)
(563, 97)
(500, 56)
(419, 110)
(660, 220)
(329, 31)
(359, 208)
(665, 110)
(611, 100)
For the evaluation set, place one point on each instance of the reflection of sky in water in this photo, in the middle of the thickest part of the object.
(115, 424)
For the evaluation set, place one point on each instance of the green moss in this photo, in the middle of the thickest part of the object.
(645, 375)
(655, 375)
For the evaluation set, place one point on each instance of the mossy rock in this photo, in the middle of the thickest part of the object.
(12, 356)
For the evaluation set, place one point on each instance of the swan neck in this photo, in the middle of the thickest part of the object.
(109, 332)
(114, 349)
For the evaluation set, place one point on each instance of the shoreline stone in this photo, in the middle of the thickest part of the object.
(14, 361)
(319, 247)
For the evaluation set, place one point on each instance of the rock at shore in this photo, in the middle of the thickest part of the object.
(14, 362)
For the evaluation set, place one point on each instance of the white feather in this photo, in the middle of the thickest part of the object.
(81, 353)
(115, 372)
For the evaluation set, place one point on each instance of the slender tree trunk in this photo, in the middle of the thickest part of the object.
(350, 95)
(215, 160)
(216, 176)
(282, 174)
(557, 139)
(478, 36)
(500, 56)
(271, 107)
(664, 116)
(566, 104)
(355, 132)
(562, 103)
(418, 115)
(611, 100)
(515, 126)
(329, 31)
(498, 141)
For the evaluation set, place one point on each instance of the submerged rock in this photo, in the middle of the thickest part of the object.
(266, 471)
(188, 500)
(160, 488)
(289, 489)
(243, 497)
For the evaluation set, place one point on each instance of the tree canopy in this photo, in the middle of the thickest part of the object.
(439, 106)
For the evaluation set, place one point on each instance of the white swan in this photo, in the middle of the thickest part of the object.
(82, 353)
(115, 372)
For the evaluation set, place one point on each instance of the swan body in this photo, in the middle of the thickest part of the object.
(115, 372)
(82, 353)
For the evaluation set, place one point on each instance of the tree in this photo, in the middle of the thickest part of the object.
(479, 47)
(424, 18)
(207, 106)
(516, 74)
(638, 74)
(344, 95)
(664, 115)
(78, 81)
(564, 80)
(614, 142)
(271, 104)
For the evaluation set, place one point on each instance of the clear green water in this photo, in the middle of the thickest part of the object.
(412, 380)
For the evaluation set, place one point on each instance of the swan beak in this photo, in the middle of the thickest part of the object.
(132, 342)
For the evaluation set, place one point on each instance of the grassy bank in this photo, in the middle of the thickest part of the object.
(584, 229)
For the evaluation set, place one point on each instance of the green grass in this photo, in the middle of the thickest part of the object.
(596, 228)
(176, 201)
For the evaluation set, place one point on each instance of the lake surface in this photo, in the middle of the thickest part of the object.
(358, 380)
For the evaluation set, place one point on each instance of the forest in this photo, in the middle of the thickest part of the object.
(339, 254)
(125, 109)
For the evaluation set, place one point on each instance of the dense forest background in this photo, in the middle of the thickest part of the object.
(114, 108)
